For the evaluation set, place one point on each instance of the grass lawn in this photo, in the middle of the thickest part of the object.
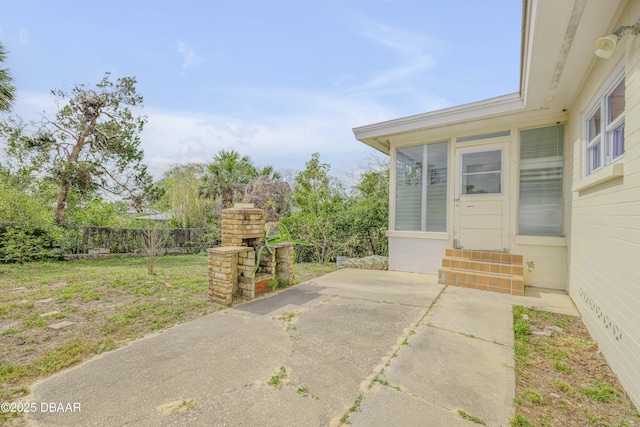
(562, 379)
(110, 302)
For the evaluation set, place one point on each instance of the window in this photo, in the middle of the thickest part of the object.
(605, 125)
(540, 203)
(421, 195)
(482, 172)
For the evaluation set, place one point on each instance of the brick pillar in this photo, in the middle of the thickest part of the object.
(284, 263)
(223, 282)
(246, 266)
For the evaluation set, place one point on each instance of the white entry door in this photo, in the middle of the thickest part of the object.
(481, 197)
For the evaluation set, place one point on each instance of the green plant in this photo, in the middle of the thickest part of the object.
(521, 421)
(562, 367)
(471, 418)
(276, 380)
(600, 392)
(521, 327)
(283, 236)
(533, 397)
(274, 284)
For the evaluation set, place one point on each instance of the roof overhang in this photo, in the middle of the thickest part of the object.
(558, 42)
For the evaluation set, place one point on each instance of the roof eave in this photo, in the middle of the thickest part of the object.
(376, 134)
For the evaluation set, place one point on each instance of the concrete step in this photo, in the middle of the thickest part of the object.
(496, 267)
(486, 270)
(495, 282)
(484, 256)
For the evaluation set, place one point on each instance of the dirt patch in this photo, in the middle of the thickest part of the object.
(562, 377)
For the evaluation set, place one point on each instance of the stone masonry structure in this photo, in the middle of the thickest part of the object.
(232, 266)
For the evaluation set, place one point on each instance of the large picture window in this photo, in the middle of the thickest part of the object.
(540, 204)
(604, 127)
(421, 187)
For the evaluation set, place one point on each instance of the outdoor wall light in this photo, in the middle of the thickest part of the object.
(607, 44)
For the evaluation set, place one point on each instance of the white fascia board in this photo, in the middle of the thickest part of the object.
(461, 113)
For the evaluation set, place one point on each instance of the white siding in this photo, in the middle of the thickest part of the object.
(605, 228)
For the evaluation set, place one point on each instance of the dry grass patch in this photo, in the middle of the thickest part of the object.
(110, 302)
(563, 379)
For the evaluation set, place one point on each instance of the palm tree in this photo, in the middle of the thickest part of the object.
(7, 90)
(227, 177)
(269, 172)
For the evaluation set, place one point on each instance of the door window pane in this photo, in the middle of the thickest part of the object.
(482, 172)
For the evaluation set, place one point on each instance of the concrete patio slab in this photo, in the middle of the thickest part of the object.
(320, 344)
(375, 285)
(384, 407)
(457, 372)
(473, 312)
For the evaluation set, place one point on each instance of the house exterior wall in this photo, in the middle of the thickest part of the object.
(545, 258)
(605, 223)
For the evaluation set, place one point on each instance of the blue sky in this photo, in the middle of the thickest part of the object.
(276, 80)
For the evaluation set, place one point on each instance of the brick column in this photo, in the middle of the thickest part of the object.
(223, 283)
(246, 266)
(284, 263)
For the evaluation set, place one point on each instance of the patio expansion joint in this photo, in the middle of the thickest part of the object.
(371, 380)
(466, 335)
(379, 302)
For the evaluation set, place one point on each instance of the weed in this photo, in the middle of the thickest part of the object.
(533, 397)
(287, 316)
(553, 354)
(471, 418)
(564, 387)
(520, 421)
(545, 423)
(562, 367)
(561, 322)
(353, 408)
(522, 349)
(405, 342)
(276, 380)
(303, 390)
(591, 417)
(600, 392)
(380, 381)
(521, 327)
(357, 403)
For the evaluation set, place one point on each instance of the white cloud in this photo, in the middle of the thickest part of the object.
(189, 56)
(322, 123)
(414, 54)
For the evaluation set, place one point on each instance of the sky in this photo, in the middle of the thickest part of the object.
(276, 80)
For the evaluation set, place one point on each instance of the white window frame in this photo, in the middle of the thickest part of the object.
(605, 138)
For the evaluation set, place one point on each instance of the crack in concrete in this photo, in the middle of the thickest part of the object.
(371, 380)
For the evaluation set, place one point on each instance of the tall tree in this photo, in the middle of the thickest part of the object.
(7, 90)
(321, 205)
(182, 184)
(227, 177)
(92, 143)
